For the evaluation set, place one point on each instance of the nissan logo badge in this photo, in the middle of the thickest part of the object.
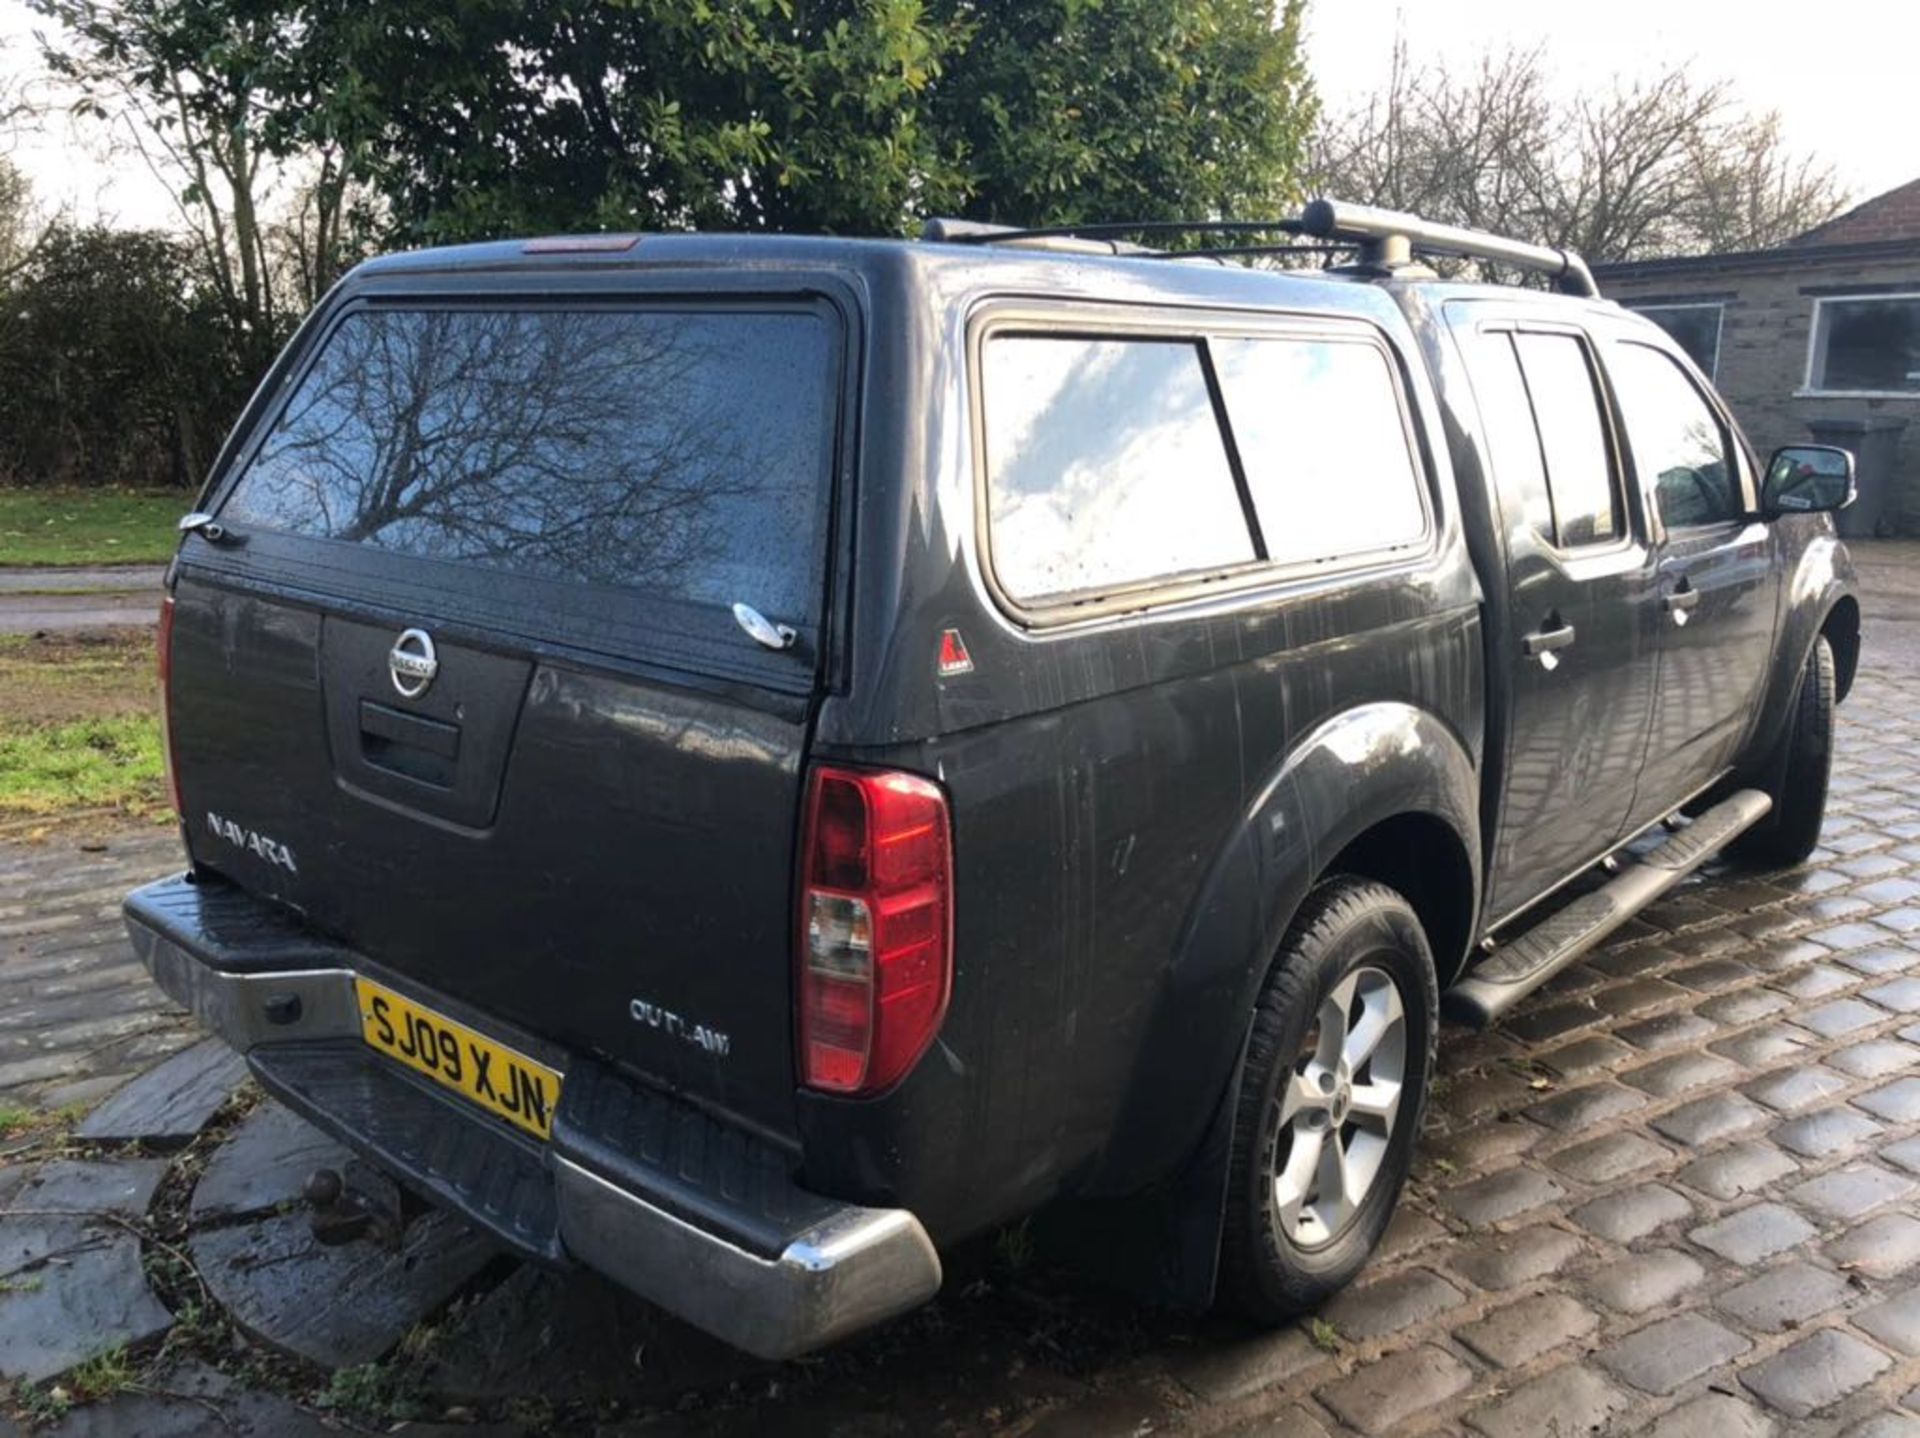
(412, 663)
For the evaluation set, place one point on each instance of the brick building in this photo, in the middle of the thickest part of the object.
(1824, 329)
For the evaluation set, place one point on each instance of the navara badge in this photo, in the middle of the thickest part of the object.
(412, 663)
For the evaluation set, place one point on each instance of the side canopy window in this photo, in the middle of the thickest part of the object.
(1318, 424)
(1106, 465)
(1116, 462)
(1677, 439)
(678, 452)
(1541, 415)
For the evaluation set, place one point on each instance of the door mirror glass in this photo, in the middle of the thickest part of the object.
(1807, 479)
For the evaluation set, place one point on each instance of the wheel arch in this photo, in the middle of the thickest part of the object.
(1841, 629)
(1385, 791)
(1820, 601)
(1422, 858)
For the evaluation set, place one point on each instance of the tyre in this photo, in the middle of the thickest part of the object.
(1797, 776)
(1338, 1062)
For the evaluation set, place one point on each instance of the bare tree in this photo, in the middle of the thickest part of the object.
(185, 87)
(23, 225)
(1757, 192)
(16, 220)
(1666, 165)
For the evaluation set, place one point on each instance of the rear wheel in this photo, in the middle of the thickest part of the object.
(1797, 779)
(1337, 1067)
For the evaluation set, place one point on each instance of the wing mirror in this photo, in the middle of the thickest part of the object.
(1807, 479)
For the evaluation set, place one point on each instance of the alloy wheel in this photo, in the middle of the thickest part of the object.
(1339, 1108)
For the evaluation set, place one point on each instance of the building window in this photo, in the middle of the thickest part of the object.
(1695, 328)
(1865, 345)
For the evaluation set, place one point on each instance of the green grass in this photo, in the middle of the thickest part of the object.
(111, 761)
(79, 725)
(89, 526)
(103, 1376)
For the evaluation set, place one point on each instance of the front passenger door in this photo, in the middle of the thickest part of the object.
(1718, 591)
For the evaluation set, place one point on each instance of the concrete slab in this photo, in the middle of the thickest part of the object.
(71, 1280)
(171, 1103)
(341, 1306)
(191, 1401)
(264, 1164)
(81, 1302)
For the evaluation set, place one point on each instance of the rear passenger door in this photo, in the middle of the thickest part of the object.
(1579, 576)
(1718, 587)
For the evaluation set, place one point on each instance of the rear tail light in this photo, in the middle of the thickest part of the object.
(164, 647)
(876, 927)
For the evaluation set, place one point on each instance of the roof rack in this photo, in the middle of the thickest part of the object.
(1076, 239)
(1387, 240)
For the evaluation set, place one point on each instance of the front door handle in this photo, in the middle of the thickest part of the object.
(1681, 601)
(1542, 643)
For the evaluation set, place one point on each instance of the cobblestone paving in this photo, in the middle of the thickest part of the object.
(1677, 1193)
(77, 1015)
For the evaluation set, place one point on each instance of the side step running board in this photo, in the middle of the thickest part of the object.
(1510, 973)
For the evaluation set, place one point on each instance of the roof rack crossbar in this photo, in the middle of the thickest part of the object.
(1389, 237)
(977, 232)
(1386, 239)
(1222, 252)
(1101, 237)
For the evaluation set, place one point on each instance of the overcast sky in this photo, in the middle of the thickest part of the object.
(1842, 73)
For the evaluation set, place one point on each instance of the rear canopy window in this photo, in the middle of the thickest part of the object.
(679, 452)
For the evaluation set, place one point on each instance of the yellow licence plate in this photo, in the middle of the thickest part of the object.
(501, 1080)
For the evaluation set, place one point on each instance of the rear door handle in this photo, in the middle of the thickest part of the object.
(1681, 601)
(1542, 643)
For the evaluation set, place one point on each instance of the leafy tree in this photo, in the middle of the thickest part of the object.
(469, 118)
(116, 363)
(219, 97)
(1081, 110)
(489, 117)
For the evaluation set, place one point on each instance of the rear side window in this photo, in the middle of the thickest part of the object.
(685, 453)
(1506, 420)
(1106, 465)
(1573, 439)
(1325, 454)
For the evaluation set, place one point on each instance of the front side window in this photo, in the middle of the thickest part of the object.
(1677, 440)
(1106, 465)
(1322, 444)
(682, 453)
(1695, 328)
(1866, 345)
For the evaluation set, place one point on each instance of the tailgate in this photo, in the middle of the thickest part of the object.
(462, 684)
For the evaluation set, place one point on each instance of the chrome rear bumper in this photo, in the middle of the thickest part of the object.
(841, 1268)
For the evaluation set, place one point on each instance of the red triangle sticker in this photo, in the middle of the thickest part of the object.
(954, 658)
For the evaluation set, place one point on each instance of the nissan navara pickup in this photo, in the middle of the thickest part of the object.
(742, 761)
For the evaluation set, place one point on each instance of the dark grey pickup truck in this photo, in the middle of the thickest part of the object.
(741, 761)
